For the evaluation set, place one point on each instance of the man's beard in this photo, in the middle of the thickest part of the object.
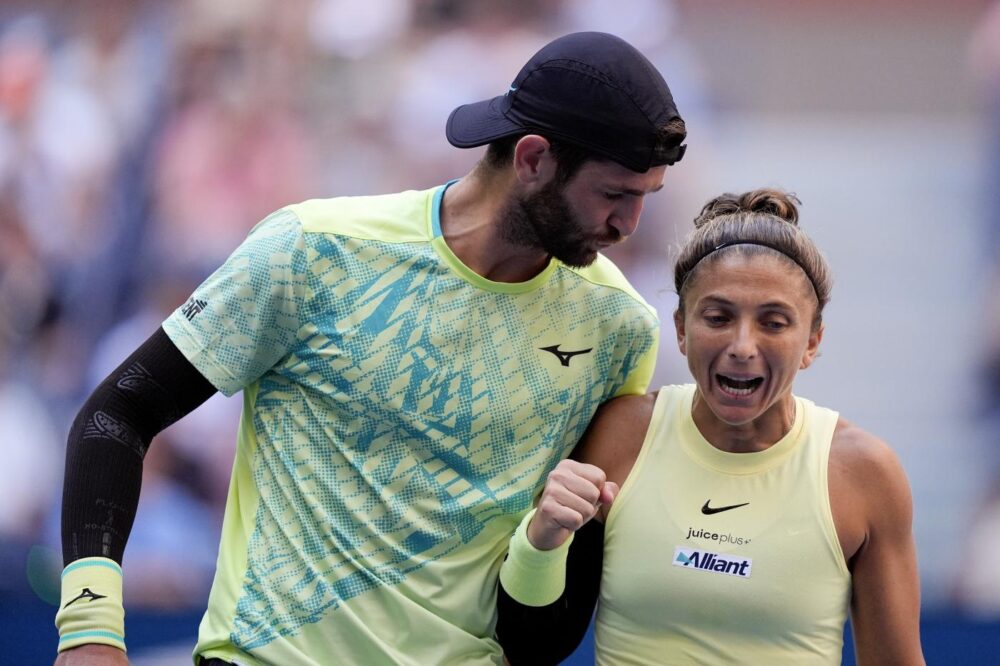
(545, 221)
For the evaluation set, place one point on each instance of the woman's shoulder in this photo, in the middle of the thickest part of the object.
(854, 446)
(867, 464)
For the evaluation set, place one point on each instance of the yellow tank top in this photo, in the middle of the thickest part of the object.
(724, 558)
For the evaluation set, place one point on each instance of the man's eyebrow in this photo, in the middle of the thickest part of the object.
(638, 193)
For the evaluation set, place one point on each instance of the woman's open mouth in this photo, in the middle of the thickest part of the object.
(738, 387)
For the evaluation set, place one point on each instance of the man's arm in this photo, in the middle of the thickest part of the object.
(574, 503)
(152, 389)
(543, 635)
(885, 604)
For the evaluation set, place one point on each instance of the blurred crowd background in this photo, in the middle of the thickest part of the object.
(140, 140)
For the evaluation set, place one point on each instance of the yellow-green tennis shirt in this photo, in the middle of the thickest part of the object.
(400, 414)
(713, 557)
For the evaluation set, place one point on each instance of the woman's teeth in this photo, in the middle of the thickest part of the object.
(739, 387)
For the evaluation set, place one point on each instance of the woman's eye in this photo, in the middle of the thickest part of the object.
(613, 196)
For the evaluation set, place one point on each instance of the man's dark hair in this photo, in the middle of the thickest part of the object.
(570, 156)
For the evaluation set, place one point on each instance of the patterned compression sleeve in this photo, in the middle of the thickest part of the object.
(152, 389)
(546, 635)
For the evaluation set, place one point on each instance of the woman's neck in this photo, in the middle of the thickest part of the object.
(757, 435)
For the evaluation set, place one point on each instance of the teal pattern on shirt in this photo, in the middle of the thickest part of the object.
(399, 409)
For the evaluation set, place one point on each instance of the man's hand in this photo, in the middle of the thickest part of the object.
(92, 654)
(572, 496)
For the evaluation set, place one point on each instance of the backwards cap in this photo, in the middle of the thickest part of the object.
(591, 89)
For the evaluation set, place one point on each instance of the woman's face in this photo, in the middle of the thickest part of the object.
(746, 330)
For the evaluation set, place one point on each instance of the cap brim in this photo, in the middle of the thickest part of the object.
(472, 125)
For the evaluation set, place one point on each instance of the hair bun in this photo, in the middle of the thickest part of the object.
(780, 204)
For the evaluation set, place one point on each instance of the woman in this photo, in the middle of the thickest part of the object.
(749, 520)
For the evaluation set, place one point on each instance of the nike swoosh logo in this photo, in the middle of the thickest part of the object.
(565, 356)
(708, 511)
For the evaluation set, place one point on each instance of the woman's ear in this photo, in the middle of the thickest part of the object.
(679, 327)
(812, 347)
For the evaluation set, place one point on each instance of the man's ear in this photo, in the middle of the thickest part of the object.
(534, 163)
(812, 347)
(679, 327)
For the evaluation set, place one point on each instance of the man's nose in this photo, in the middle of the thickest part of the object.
(626, 216)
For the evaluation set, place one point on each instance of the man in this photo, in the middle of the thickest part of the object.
(412, 365)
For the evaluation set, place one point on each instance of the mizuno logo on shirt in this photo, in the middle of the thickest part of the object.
(708, 510)
(86, 594)
(565, 356)
(703, 560)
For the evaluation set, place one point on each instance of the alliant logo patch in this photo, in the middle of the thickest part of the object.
(732, 565)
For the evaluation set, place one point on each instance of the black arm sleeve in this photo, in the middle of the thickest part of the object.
(545, 635)
(152, 389)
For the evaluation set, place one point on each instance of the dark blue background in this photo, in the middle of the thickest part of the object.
(29, 636)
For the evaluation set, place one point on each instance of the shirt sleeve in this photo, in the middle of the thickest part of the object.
(637, 381)
(245, 317)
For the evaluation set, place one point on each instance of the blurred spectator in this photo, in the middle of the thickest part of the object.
(354, 30)
(25, 287)
(467, 50)
(75, 96)
(233, 148)
(25, 291)
(32, 463)
(58, 147)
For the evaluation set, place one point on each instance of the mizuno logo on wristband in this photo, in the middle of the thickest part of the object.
(86, 594)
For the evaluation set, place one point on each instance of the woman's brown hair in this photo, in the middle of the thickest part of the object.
(763, 221)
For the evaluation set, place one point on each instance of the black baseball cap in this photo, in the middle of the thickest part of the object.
(591, 89)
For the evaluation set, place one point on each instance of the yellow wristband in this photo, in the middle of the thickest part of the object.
(530, 576)
(91, 607)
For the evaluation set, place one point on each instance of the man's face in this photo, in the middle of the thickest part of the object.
(573, 221)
